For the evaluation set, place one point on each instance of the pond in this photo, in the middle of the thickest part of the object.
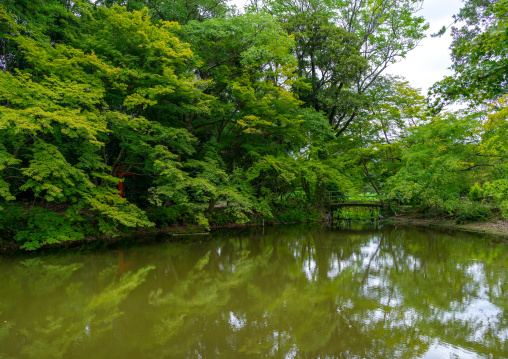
(281, 292)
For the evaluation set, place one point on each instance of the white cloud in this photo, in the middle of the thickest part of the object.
(430, 61)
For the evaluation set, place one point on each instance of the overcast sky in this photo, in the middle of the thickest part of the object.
(429, 62)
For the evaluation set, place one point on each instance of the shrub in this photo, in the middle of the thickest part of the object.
(221, 217)
(35, 227)
(499, 190)
(472, 212)
(295, 210)
(476, 192)
(166, 216)
(11, 219)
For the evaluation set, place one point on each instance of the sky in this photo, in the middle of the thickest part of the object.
(430, 61)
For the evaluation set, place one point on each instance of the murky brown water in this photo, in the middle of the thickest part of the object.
(295, 292)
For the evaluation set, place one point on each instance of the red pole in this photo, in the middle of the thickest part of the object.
(120, 184)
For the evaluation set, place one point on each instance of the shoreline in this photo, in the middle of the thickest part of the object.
(496, 227)
(179, 231)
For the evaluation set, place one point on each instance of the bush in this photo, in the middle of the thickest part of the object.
(166, 216)
(12, 218)
(472, 212)
(221, 217)
(466, 211)
(35, 227)
(499, 190)
(293, 210)
(476, 192)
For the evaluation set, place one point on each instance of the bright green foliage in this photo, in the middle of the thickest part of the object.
(480, 79)
(330, 61)
(70, 113)
(46, 18)
(476, 192)
(436, 163)
(48, 227)
(374, 34)
(181, 11)
(495, 144)
(499, 190)
(53, 123)
(374, 148)
(342, 49)
(227, 117)
(445, 160)
(478, 54)
(117, 100)
(255, 125)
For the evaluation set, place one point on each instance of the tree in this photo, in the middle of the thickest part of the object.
(478, 50)
(375, 145)
(329, 60)
(179, 11)
(387, 31)
(255, 121)
(479, 79)
(441, 161)
(73, 121)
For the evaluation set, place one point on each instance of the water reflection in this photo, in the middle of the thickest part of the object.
(290, 293)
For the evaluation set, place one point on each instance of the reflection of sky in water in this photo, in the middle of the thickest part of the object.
(292, 353)
(277, 337)
(373, 282)
(476, 271)
(309, 268)
(476, 310)
(332, 297)
(413, 263)
(236, 322)
(446, 351)
(336, 266)
(371, 248)
(481, 314)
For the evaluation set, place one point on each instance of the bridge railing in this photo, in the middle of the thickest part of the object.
(335, 196)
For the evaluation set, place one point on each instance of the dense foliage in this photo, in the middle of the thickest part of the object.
(129, 114)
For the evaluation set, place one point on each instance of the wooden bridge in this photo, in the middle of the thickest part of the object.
(339, 200)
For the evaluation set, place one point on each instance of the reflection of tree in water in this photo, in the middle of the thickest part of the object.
(375, 296)
(73, 319)
(348, 294)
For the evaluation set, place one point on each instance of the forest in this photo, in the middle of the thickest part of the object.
(129, 114)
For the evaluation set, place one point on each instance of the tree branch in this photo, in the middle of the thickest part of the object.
(156, 10)
(346, 125)
(482, 165)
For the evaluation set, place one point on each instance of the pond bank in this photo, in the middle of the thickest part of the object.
(498, 227)
(11, 247)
